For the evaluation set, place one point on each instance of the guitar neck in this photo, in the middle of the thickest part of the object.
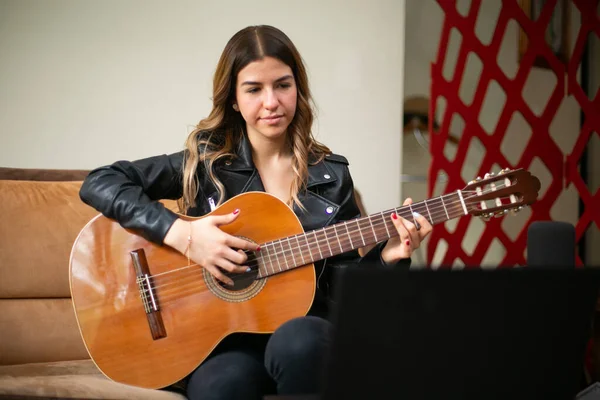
(298, 250)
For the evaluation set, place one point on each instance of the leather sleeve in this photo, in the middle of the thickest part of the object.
(349, 210)
(128, 192)
(374, 256)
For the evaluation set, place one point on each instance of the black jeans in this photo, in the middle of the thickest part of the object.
(250, 366)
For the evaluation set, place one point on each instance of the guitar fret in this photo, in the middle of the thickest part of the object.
(348, 235)
(442, 198)
(360, 231)
(309, 248)
(327, 241)
(276, 258)
(372, 228)
(338, 239)
(383, 229)
(385, 223)
(290, 247)
(300, 250)
(317, 243)
(428, 212)
(284, 256)
(264, 251)
(270, 259)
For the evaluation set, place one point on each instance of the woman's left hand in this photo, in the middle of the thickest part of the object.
(409, 237)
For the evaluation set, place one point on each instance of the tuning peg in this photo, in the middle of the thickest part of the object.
(475, 180)
(500, 213)
(515, 210)
(489, 175)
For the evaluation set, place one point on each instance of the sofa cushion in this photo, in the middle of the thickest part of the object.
(78, 379)
(39, 330)
(40, 222)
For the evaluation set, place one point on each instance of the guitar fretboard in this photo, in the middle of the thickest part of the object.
(298, 250)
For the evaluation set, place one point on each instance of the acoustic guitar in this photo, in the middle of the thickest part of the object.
(148, 318)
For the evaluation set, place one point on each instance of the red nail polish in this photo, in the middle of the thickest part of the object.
(258, 248)
(408, 242)
(236, 211)
(394, 216)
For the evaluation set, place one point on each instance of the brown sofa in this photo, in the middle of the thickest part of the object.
(42, 354)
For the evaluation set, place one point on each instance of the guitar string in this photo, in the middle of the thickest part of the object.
(436, 210)
(308, 244)
(187, 288)
(237, 276)
(243, 275)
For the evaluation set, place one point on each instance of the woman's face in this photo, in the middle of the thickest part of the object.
(266, 97)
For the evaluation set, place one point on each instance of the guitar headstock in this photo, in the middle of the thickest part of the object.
(496, 195)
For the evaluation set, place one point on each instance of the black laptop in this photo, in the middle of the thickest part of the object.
(470, 334)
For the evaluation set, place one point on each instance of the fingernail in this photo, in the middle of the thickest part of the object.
(248, 269)
(237, 210)
(258, 248)
(394, 216)
(408, 242)
(416, 214)
(230, 283)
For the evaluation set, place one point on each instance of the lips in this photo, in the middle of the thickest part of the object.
(272, 119)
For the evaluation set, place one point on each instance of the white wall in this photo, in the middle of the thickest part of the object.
(85, 83)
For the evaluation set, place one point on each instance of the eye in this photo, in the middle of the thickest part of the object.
(252, 90)
(285, 85)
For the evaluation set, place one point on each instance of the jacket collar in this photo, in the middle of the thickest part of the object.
(243, 161)
(318, 173)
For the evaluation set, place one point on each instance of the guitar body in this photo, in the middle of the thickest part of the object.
(195, 311)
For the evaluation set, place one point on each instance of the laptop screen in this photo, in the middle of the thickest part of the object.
(470, 334)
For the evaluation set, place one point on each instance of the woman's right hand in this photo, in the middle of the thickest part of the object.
(210, 247)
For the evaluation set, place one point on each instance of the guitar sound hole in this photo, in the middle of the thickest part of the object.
(242, 280)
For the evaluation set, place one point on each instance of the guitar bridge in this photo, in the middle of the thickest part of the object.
(148, 294)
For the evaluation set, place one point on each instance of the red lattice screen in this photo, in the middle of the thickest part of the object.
(563, 168)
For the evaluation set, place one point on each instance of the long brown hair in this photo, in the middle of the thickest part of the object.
(220, 133)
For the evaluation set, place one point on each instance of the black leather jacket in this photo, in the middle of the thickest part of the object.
(127, 191)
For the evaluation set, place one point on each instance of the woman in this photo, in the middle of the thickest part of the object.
(256, 138)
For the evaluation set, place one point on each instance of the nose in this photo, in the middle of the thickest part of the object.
(270, 101)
